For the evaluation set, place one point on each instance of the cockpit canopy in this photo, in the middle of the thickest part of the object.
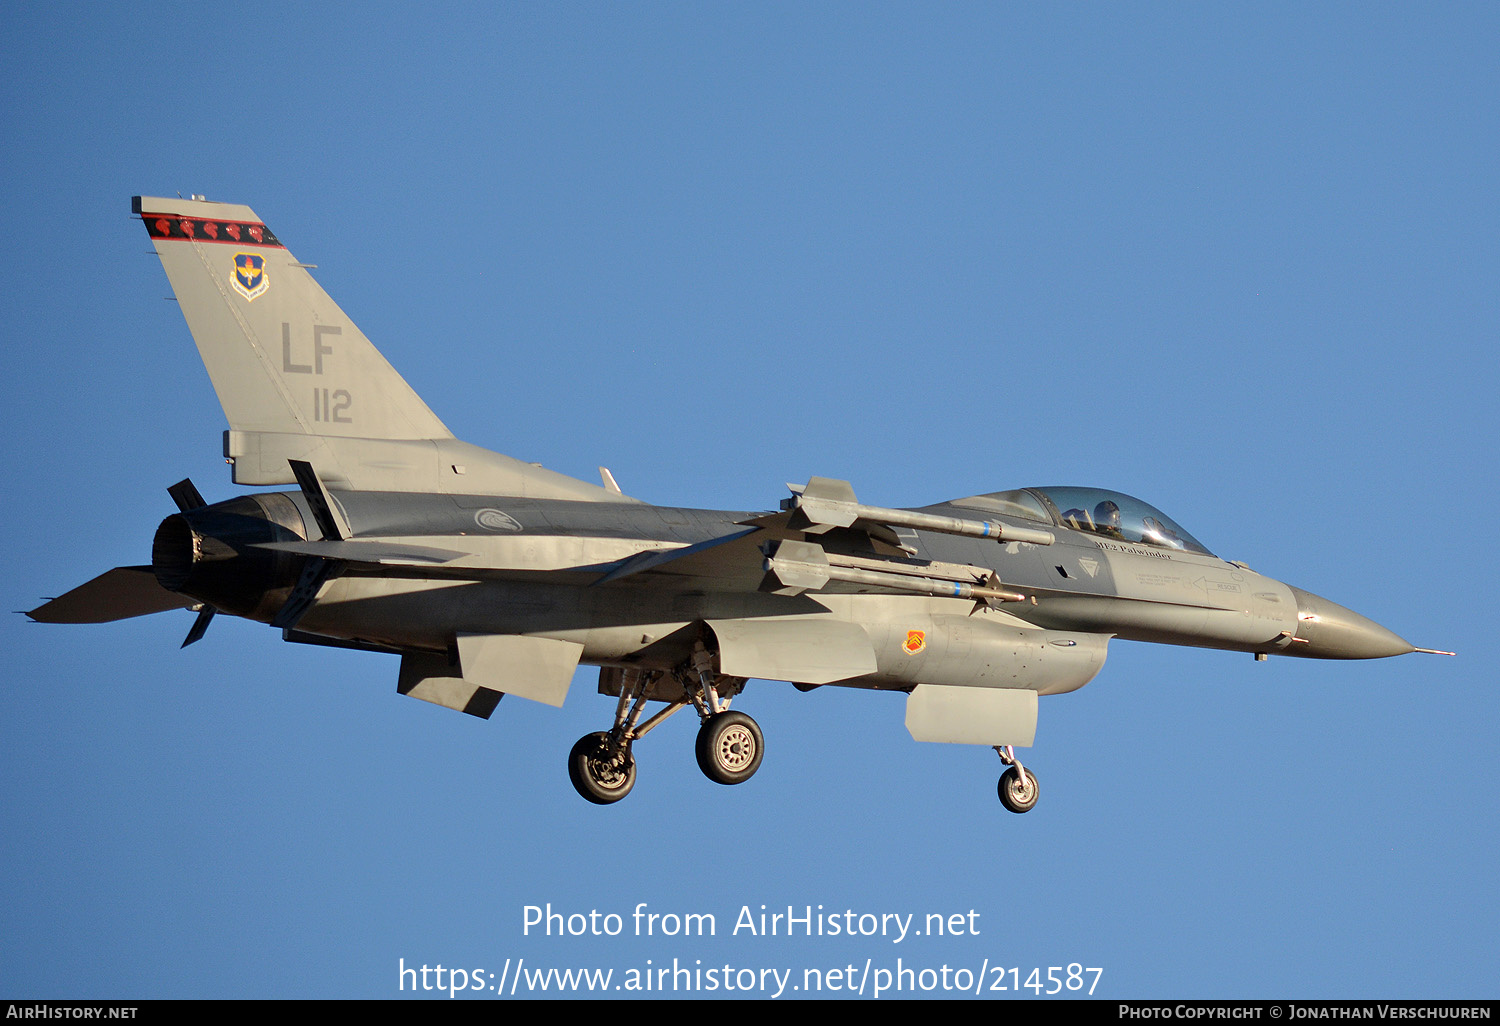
(1096, 510)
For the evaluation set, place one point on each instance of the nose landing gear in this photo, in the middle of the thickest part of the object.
(1018, 787)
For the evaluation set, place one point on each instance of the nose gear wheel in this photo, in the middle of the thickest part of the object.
(1018, 789)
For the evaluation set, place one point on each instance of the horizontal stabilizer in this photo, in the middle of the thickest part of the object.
(117, 594)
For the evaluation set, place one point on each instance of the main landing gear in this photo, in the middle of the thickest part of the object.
(1018, 787)
(601, 770)
(729, 748)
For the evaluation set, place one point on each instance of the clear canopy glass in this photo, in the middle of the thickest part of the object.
(1095, 510)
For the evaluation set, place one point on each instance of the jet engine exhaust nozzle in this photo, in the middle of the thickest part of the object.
(212, 554)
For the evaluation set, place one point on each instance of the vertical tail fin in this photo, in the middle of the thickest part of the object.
(282, 355)
(298, 380)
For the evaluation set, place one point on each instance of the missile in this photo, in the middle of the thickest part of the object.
(826, 503)
(804, 566)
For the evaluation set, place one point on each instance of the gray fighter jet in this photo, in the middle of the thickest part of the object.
(489, 576)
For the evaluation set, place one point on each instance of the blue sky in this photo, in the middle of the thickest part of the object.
(1238, 260)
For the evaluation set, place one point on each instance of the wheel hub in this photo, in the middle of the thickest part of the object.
(736, 748)
(607, 770)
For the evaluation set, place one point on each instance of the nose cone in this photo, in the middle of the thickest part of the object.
(1326, 630)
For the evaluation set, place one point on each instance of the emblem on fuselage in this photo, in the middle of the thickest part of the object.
(250, 278)
(916, 641)
(496, 520)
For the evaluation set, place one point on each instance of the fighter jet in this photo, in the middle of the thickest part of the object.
(487, 576)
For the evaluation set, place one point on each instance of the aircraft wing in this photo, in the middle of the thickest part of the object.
(857, 548)
(731, 558)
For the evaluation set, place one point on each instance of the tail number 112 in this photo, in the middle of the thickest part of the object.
(332, 406)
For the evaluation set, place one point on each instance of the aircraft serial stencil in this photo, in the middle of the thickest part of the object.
(489, 576)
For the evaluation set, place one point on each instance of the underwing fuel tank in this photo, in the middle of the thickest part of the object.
(976, 652)
(1327, 630)
(212, 554)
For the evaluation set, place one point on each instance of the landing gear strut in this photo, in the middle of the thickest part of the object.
(1018, 787)
(602, 765)
(729, 746)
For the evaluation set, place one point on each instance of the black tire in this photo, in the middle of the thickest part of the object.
(730, 747)
(1018, 795)
(595, 775)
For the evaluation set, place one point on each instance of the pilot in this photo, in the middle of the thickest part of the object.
(1107, 519)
